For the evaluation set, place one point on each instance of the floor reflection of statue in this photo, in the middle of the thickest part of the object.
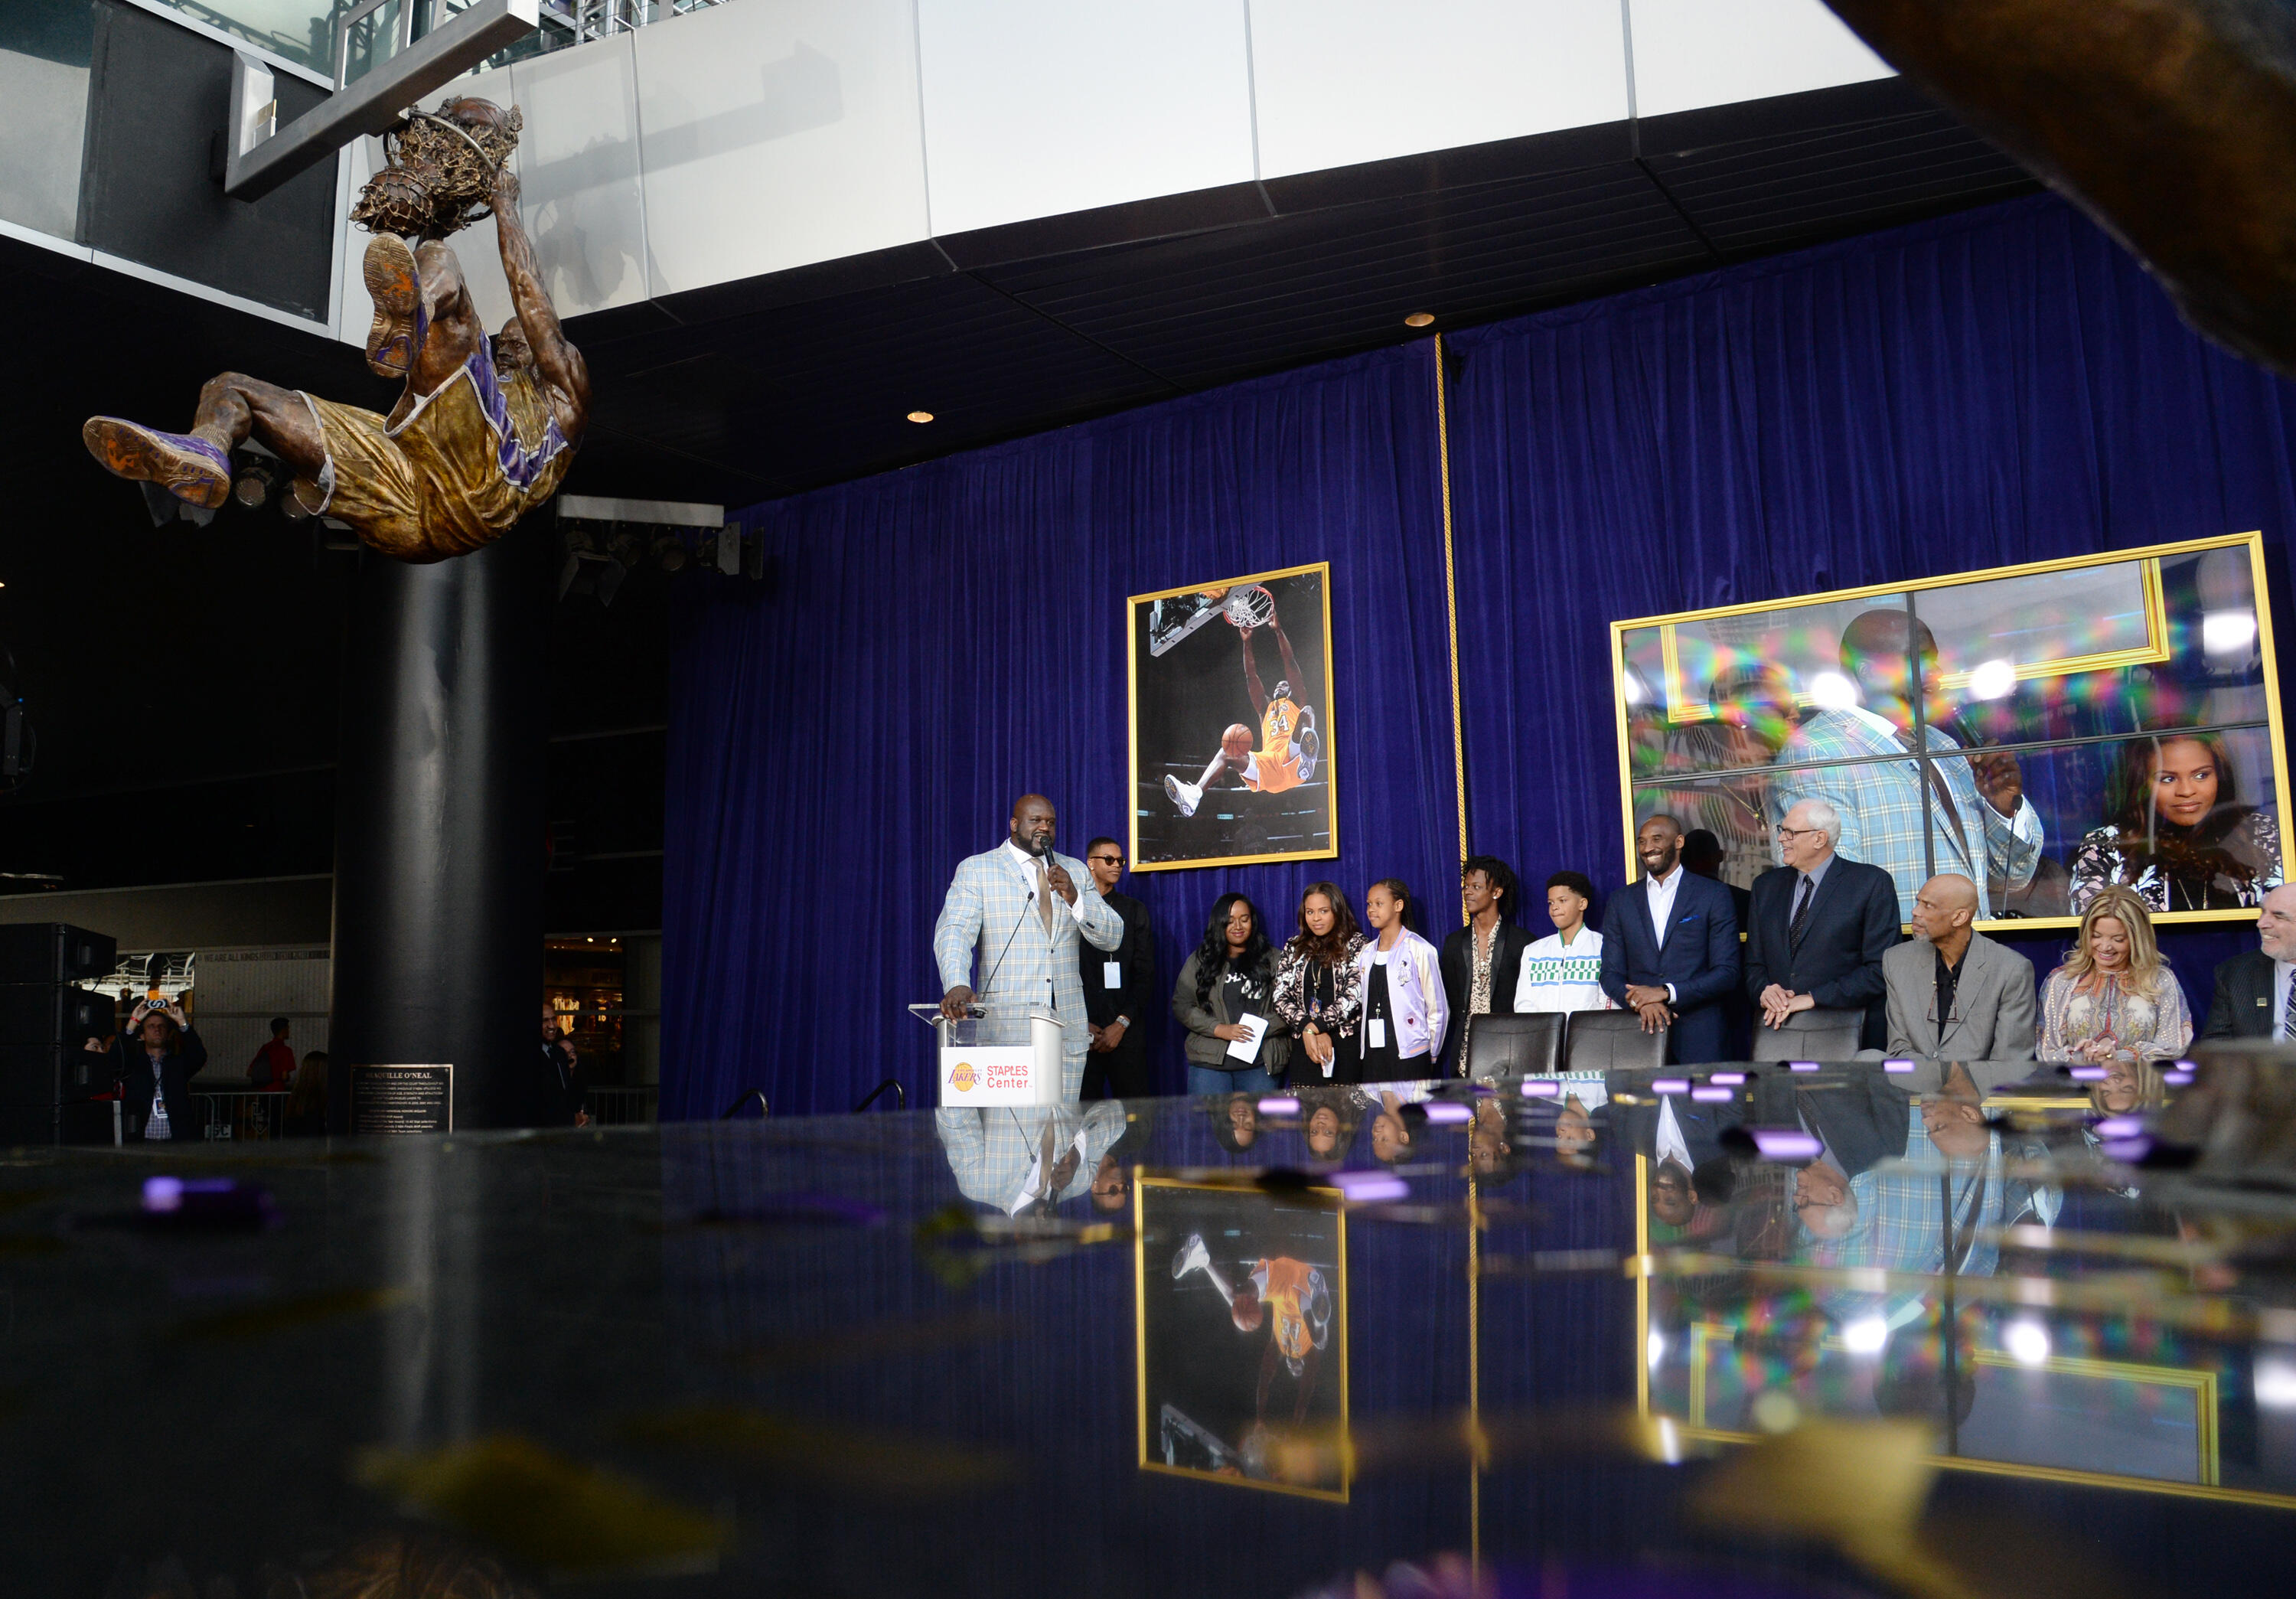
(483, 430)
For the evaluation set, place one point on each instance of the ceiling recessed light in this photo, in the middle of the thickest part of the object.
(1420, 319)
(920, 416)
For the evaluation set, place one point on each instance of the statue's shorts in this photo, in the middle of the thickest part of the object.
(449, 476)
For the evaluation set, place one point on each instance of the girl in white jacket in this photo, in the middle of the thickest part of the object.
(1404, 1014)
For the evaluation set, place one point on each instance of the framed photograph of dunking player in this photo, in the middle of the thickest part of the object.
(1241, 1353)
(1232, 758)
(2108, 720)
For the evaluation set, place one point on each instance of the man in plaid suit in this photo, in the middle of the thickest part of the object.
(1979, 822)
(1024, 909)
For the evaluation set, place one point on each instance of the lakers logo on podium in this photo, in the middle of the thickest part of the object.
(960, 1076)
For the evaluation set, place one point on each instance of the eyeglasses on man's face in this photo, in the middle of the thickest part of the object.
(1799, 833)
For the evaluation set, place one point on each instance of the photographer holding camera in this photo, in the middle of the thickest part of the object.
(156, 1056)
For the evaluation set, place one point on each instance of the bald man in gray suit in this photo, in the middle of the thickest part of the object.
(1954, 994)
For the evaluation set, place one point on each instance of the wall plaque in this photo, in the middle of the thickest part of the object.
(402, 1099)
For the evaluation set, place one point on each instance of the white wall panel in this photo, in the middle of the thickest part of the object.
(778, 133)
(1035, 107)
(43, 123)
(1690, 53)
(1344, 81)
(579, 168)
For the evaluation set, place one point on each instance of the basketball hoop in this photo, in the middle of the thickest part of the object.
(1249, 605)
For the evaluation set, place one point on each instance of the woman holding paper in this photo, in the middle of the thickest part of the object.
(1315, 991)
(1403, 1013)
(1236, 1043)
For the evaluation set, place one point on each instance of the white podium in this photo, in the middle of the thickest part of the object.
(1004, 1058)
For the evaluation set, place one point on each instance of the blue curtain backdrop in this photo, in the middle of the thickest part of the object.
(931, 644)
(2001, 386)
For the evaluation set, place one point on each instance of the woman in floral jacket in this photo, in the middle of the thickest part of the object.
(1318, 991)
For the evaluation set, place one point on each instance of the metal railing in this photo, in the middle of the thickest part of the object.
(623, 1106)
(239, 1113)
(566, 23)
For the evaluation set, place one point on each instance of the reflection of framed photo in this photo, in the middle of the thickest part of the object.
(2111, 718)
(1232, 721)
(1242, 1350)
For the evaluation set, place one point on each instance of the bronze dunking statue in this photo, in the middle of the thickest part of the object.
(2172, 121)
(483, 430)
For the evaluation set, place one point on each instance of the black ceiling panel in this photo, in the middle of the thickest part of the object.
(780, 395)
(1768, 193)
(1202, 308)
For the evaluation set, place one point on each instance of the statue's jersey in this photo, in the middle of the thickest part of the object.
(456, 472)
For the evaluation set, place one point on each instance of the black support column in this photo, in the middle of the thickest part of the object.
(439, 831)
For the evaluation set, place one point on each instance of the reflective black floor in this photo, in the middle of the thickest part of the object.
(1931, 1334)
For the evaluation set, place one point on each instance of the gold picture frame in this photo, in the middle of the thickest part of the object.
(2154, 647)
(1139, 618)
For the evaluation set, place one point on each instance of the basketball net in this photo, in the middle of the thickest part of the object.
(1249, 606)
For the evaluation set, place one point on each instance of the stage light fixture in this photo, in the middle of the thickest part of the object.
(921, 416)
(253, 485)
(1420, 319)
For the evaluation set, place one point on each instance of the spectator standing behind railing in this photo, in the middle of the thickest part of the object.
(274, 1062)
(156, 1055)
(562, 1092)
(307, 1102)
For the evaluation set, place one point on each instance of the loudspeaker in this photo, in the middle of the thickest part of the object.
(53, 1074)
(54, 1013)
(88, 1122)
(49, 952)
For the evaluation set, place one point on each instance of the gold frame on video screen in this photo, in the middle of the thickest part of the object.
(2153, 644)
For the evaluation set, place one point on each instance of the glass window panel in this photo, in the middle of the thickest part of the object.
(300, 30)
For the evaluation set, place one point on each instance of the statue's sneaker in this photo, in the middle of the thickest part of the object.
(191, 468)
(395, 283)
(1184, 796)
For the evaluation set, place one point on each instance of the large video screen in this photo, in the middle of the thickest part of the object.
(2044, 730)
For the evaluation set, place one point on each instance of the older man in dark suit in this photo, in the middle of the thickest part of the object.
(1821, 925)
(2255, 997)
(1670, 948)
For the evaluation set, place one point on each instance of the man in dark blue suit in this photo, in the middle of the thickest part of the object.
(1670, 948)
(1822, 923)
